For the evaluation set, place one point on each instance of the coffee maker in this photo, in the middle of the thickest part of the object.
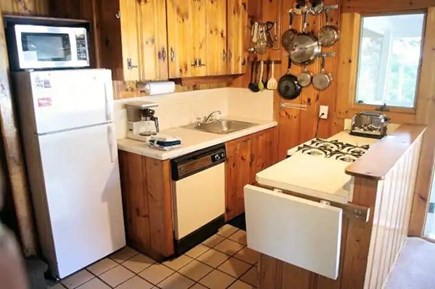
(142, 122)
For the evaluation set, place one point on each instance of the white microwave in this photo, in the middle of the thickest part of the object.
(45, 47)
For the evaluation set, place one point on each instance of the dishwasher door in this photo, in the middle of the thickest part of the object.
(199, 199)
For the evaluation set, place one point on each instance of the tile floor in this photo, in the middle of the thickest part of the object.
(222, 261)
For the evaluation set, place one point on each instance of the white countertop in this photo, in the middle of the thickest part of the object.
(315, 176)
(192, 140)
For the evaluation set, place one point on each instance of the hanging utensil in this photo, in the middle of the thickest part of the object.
(288, 86)
(317, 7)
(304, 47)
(299, 7)
(304, 78)
(322, 80)
(261, 44)
(290, 33)
(272, 83)
(252, 85)
(260, 78)
(328, 34)
(266, 74)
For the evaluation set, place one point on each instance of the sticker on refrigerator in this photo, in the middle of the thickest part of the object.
(43, 83)
(44, 101)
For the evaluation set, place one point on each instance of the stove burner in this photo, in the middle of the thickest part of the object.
(333, 149)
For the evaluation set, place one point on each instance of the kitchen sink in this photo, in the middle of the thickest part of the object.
(221, 126)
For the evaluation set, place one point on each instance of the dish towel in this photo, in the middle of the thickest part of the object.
(164, 142)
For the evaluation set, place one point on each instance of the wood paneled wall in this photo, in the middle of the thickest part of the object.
(24, 7)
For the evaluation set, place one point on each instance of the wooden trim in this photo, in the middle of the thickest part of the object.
(374, 6)
(191, 81)
(390, 149)
(13, 152)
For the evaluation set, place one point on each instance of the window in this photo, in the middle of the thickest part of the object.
(389, 59)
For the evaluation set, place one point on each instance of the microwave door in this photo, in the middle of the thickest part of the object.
(51, 47)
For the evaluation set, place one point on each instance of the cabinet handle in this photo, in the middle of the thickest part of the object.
(195, 63)
(200, 62)
(162, 54)
(118, 15)
(224, 58)
(172, 54)
(130, 65)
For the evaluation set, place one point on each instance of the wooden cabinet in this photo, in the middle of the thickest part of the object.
(246, 156)
(129, 36)
(205, 37)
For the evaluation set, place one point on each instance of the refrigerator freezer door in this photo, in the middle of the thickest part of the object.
(68, 99)
(82, 187)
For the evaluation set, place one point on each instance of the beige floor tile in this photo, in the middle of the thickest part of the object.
(229, 247)
(124, 254)
(251, 277)
(234, 267)
(198, 286)
(213, 258)
(116, 276)
(179, 262)
(138, 263)
(94, 284)
(227, 230)
(195, 270)
(240, 285)
(77, 279)
(197, 251)
(102, 266)
(56, 286)
(217, 280)
(239, 236)
(213, 241)
(248, 255)
(156, 273)
(135, 283)
(176, 281)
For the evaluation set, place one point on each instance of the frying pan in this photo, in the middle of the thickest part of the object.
(288, 86)
(305, 47)
(322, 80)
(290, 33)
(304, 79)
(328, 34)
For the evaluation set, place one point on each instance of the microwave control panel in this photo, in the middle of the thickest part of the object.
(82, 48)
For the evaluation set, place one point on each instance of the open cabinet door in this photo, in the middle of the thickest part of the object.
(295, 230)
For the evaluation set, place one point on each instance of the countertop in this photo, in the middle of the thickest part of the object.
(192, 140)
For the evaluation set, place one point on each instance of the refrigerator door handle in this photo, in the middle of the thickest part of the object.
(108, 102)
(110, 141)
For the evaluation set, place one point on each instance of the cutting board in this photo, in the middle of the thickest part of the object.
(297, 231)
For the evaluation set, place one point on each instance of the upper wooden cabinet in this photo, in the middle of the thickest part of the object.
(205, 37)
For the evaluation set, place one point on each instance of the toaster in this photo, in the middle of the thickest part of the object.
(369, 124)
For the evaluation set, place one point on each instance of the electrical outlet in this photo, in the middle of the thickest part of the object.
(323, 112)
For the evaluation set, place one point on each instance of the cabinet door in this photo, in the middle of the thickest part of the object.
(153, 46)
(237, 23)
(216, 37)
(130, 39)
(180, 37)
(237, 175)
(263, 151)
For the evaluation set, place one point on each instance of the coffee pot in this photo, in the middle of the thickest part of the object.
(142, 122)
(150, 122)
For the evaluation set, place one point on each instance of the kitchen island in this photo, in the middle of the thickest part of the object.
(371, 225)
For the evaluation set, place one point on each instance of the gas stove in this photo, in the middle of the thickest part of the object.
(333, 149)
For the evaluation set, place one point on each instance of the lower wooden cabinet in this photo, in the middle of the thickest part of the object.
(246, 156)
(147, 190)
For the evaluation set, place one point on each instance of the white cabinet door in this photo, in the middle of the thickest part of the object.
(82, 187)
(297, 231)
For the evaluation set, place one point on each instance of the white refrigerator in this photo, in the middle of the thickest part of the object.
(66, 120)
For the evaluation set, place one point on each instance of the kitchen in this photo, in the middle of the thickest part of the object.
(295, 126)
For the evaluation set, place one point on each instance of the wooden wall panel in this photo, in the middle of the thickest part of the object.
(14, 156)
(375, 6)
(24, 7)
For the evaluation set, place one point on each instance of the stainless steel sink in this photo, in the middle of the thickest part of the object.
(221, 126)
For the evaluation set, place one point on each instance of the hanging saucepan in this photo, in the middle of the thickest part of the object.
(288, 86)
(304, 78)
(290, 33)
(328, 34)
(322, 80)
(304, 48)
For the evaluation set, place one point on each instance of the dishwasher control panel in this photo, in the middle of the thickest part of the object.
(195, 162)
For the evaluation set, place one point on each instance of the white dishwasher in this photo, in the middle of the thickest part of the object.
(199, 196)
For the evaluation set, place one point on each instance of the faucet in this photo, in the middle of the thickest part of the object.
(210, 116)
